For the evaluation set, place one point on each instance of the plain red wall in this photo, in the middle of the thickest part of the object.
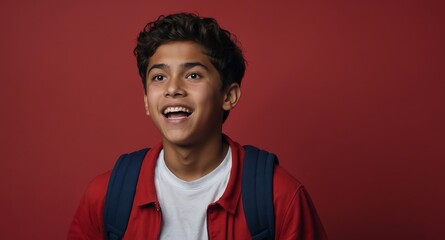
(349, 94)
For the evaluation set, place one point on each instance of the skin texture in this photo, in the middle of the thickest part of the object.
(180, 74)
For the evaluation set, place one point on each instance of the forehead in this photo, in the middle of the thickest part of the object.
(179, 52)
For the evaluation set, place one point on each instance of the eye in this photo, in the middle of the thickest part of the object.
(193, 76)
(158, 78)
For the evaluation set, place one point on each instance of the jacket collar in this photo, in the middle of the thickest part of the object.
(146, 190)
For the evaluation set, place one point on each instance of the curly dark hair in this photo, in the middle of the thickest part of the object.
(219, 44)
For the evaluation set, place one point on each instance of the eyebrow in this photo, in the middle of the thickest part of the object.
(194, 64)
(187, 65)
(158, 66)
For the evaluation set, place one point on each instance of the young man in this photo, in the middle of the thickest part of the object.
(189, 186)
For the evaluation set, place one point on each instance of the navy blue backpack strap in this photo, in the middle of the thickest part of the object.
(120, 193)
(257, 192)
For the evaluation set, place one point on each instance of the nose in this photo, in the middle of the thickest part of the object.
(174, 88)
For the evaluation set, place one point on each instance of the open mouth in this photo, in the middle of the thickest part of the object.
(177, 112)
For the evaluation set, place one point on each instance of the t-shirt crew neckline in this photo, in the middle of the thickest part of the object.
(200, 183)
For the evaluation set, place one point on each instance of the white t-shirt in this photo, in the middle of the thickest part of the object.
(184, 204)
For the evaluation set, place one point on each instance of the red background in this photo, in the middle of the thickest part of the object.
(350, 95)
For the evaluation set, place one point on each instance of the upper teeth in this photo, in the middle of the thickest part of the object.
(176, 109)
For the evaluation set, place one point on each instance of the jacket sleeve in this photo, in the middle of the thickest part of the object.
(88, 222)
(301, 220)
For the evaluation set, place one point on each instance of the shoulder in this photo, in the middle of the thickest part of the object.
(87, 221)
(97, 188)
(285, 186)
(282, 176)
(296, 216)
(94, 195)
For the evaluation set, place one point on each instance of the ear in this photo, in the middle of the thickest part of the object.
(231, 96)
(146, 105)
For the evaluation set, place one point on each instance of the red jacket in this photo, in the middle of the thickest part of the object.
(295, 215)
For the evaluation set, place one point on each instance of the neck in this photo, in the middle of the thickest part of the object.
(193, 162)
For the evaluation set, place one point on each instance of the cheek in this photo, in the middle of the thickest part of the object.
(151, 101)
(151, 104)
(207, 96)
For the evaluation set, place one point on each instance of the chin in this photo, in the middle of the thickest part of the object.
(179, 140)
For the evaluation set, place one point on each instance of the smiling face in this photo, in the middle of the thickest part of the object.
(184, 96)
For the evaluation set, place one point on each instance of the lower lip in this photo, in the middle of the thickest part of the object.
(177, 120)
